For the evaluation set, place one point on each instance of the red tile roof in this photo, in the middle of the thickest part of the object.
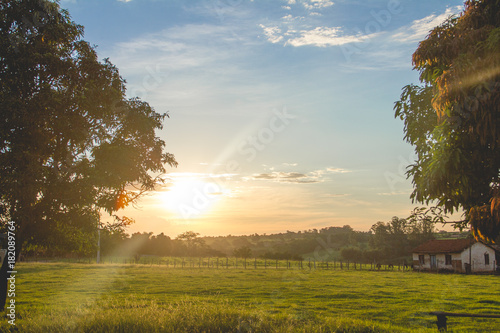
(444, 246)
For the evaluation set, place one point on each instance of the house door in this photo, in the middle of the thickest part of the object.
(433, 261)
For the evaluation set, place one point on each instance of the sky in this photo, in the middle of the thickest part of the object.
(280, 112)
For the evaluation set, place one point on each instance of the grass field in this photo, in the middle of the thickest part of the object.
(69, 297)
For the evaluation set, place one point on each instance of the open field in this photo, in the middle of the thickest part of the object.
(69, 297)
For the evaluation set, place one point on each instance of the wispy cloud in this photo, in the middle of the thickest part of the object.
(337, 170)
(395, 193)
(286, 177)
(317, 4)
(392, 49)
(273, 33)
(420, 28)
(325, 36)
(316, 176)
(336, 195)
(308, 29)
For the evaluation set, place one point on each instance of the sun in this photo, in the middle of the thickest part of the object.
(191, 197)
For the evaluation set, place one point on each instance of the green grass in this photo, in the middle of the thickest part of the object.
(70, 297)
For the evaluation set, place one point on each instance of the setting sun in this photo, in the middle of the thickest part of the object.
(190, 197)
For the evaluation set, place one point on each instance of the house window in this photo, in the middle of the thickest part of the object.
(421, 259)
(486, 259)
(447, 259)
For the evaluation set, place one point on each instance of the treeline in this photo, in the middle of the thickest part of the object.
(385, 242)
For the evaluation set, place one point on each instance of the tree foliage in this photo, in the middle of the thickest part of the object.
(398, 237)
(243, 252)
(71, 143)
(453, 118)
(193, 243)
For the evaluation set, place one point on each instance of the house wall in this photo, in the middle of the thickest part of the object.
(458, 260)
(477, 255)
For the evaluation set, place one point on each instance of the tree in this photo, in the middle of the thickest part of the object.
(193, 243)
(453, 118)
(353, 254)
(71, 144)
(420, 224)
(391, 237)
(243, 252)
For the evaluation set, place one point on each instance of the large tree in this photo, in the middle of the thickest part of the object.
(453, 117)
(71, 144)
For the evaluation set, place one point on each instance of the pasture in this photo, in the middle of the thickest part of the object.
(72, 297)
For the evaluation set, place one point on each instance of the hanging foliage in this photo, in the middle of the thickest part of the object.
(453, 119)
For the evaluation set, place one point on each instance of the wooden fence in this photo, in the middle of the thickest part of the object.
(241, 263)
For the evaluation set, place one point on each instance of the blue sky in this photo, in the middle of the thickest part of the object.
(281, 112)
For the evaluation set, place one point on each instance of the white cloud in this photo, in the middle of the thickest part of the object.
(419, 29)
(338, 170)
(317, 4)
(124, 0)
(324, 36)
(318, 36)
(272, 33)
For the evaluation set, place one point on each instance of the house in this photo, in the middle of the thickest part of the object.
(456, 255)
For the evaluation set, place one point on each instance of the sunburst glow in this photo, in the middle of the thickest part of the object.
(190, 197)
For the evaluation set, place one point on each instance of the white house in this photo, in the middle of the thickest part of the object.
(455, 255)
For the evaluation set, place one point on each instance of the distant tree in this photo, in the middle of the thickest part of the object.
(194, 244)
(420, 224)
(71, 144)
(391, 237)
(161, 245)
(243, 252)
(139, 243)
(374, 256)
(453, 118)
(112, 240)
(352, 254)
